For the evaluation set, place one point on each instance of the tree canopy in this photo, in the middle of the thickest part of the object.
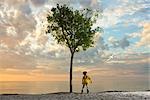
(71, 27)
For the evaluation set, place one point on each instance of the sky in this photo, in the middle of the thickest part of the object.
(121, 51)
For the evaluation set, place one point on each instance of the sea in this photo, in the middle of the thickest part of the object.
(44, 87)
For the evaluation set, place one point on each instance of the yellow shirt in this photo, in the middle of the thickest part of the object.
(86, 80)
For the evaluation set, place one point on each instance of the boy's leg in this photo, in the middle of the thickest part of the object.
(82, 88)
(87, 88)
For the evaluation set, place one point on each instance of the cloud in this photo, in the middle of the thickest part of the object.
(78, 4)
(11, 31)
(38, 2)
(24, 28)
(122, 43)
(134, 35)
(113, 41)
(13, 2)
(3, 46)
(120, 10)
(144, 35)
(93, 55)
(16, 61)
(130, 65)
(15, 22)
(25, 8)
(94, 4)
(101, 44)
(52, 68)
(130, 58)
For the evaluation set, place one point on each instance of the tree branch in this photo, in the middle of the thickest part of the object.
(69, 45)
(77, 44)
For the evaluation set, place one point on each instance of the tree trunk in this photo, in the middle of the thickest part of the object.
(71, 63)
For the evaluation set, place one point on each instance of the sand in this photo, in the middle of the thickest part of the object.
(78, 96)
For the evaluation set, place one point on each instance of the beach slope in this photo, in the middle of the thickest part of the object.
(78, 96)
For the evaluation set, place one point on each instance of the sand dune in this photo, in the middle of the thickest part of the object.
(78, 96)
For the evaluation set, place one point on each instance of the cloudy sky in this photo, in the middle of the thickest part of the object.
(120, 52)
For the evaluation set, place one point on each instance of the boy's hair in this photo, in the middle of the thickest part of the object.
(84, 72)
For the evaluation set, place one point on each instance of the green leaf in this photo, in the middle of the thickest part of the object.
(72, 27)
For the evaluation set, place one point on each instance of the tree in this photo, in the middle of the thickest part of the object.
(72, 28)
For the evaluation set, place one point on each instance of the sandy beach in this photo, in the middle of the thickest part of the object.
(77, 96)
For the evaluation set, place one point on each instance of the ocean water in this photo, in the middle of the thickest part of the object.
(42, 87)
(31, 87)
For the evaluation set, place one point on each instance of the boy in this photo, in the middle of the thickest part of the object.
(85, 81)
